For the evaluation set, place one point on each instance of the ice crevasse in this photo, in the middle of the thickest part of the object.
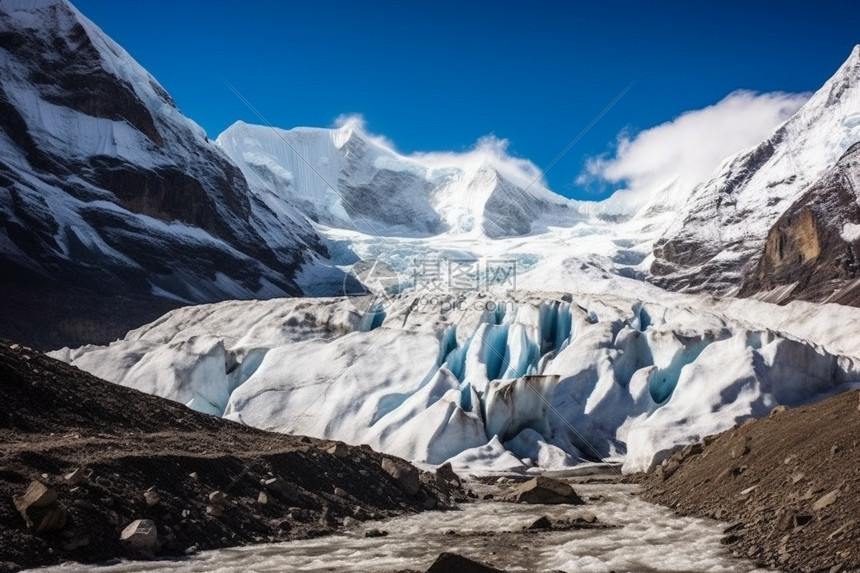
(539, 381)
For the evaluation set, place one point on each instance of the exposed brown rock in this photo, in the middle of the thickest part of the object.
(806, 251)
(404, 475)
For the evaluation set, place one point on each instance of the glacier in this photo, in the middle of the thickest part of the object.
(556, 380)
(576, 356)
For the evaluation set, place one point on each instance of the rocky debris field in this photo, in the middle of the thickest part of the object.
(91, 471)
(787, 485)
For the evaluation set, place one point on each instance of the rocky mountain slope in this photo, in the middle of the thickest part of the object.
(786, 484)
(113, 455)
(110, 198)
(811, 251)
(732, 223)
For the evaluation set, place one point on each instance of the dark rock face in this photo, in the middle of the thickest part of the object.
(683, 261)
(395, 197)
(808, 251)
(509, 210)
(453, 563)
(114, 207)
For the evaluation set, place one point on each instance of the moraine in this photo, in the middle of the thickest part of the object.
(640, 537)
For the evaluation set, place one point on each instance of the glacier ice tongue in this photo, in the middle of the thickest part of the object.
(604, 377)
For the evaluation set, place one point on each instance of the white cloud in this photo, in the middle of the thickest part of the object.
(357, 122)
(489, 149)
(691, 147)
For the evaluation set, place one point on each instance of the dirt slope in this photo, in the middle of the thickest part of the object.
(789, 485)
(55, 419)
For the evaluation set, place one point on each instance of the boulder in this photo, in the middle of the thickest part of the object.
(282, 488)
(825, 500)
(38, 495)
(141, 536)
(218, 498)
(151, 497)
(541, 523)
(338, 450)
(446, 473)
(39, 508)
(544, 490)
(453, 563)
(404, 475)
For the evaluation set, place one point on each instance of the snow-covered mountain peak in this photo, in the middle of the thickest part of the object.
(349, 179)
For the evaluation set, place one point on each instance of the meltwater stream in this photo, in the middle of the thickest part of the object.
(647, 538)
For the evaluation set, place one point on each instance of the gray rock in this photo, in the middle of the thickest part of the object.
(404, 475)
(151, 497)
(141, 535)
(740, 449)
(544, 490)
(214, 510)
(280, 487)
(218, 498)
(693, 449)
(825, 500)
(841, 531)
(446, 473)
(778, 410)
(784, 519)
(263, 498)
(586, 517)
(338, 450)
(541, 523)
(39, 508)
(450, 562)
(340, 492)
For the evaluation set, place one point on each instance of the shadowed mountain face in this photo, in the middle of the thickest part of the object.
(114, 206)
(811, 252)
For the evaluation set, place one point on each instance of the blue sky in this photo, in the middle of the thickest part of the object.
(439, 75)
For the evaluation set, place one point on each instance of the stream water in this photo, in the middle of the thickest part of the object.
(646, 537)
